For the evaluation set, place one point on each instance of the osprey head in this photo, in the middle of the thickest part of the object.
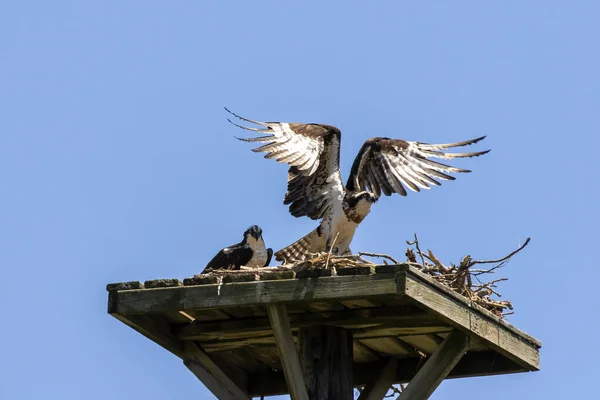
(253, 231)
(363, 198)
(358, 205)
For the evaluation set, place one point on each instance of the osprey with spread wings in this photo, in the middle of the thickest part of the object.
(315, 187)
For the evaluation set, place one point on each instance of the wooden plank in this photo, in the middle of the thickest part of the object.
(436, 368)
(242, 359)
(473, 322)
(363, 354)
(245, 312)
(323, 306)
(326, 359)
(377, 389)
(158, 283)
(287, 351)
(179, 317)
(209, 315)
(428, 344)
(211, 375)
(267, 355)
(375, 335)
(405, 319)
(226, 345)
(361, 303)
(390, 347)
(484, 363)
(255, 293)
(416, 274)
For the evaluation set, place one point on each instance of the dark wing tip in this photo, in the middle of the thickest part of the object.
(269, 256)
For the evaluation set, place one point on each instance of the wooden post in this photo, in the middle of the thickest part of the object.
(326, 359)
(437, 367)
(378, 389)
(287, 351)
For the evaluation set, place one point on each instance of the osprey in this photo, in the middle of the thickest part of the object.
(315, 187)
(250, 252)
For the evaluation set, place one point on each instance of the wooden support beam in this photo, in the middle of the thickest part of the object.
(410, 320)
(326, 359)
(287, 351)
(187, 298)
(437, 367)
(481, 363)
(377, 389)
(211, 375)
(463, 314)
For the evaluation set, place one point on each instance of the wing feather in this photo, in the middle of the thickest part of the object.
(389, 166)
(312, 152)
(231, 257)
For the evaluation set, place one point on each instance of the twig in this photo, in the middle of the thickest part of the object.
(416, 243)
(331, 249)
(503, 258)
(392, 259)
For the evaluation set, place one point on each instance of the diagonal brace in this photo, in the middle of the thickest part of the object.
(211, 375)
(378, 389)
(437, 367)
(287, 351)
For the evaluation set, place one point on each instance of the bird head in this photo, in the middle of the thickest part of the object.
(253, 231)
(362, 199)
(360, 202)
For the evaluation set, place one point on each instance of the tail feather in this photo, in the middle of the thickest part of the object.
(300, 249)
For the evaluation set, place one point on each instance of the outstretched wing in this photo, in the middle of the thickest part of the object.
(387, 166)
(313, 153)
(231, 257)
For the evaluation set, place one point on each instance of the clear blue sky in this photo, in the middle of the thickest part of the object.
(117, 164)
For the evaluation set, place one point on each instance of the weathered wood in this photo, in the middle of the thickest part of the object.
(360, 303)
(428, 280)
(377, 335)
(437, 367)
(453, 310)
(247, 277)
(389, 346)
(211, 375)
(403, 320)
(425, 343)
(314, 273)
(212, 315)
(377, 389)
(359, 270)
(472, 364)
(158, 283)
(363, 354)
(287, 351)
(326, 359)
(202, 280)
(256, 293)
(132, 285)
(275, 275)
(398, 312)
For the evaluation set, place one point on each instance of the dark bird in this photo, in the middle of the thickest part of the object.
(315, 187)
(250, 252)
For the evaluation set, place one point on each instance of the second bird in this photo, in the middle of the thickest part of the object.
(250, 252)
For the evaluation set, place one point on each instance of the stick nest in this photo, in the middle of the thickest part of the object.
(461, 278)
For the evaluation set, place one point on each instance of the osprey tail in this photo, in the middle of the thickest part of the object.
(299, 250)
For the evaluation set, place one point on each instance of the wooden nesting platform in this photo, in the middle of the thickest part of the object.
(393, 312)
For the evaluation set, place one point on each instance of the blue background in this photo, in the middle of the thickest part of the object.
(117, 163)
